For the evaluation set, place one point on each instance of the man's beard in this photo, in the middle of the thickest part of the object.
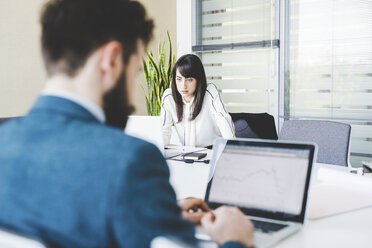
(116, 105)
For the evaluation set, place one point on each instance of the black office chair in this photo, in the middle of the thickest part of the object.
(250, 125)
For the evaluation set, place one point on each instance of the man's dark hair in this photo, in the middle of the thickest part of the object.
(189, 66)
(73, 29)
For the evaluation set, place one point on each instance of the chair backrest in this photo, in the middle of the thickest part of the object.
(252, 125)
(332, 138)
(11, 240)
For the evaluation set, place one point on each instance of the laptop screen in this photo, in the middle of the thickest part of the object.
(265, 179)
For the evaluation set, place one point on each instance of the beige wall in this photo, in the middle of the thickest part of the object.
(21, 70)
(164, 14)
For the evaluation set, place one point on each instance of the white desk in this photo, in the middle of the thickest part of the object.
(189, 180)
(353, 229)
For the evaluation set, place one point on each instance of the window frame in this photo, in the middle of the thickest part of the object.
(187, 37)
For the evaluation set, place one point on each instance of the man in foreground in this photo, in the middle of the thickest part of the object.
(66, 177)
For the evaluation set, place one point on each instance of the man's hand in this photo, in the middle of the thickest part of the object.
(193, 209)
(228, 224)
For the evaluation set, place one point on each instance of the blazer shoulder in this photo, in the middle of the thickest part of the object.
(167, 99)
(167, 95)
(212, 90)
(167, 91)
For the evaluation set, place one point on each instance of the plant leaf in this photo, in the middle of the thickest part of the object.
(170, 49)
(158, 76)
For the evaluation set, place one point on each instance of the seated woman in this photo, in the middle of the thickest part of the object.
(193, 106)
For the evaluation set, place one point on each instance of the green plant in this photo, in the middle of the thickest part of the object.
(158, 76)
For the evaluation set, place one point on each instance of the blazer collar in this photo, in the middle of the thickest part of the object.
(61, 106)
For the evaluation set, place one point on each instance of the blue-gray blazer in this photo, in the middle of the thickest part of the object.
(70, 181)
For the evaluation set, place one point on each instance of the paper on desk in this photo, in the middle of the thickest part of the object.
(185, 149)
(338, 192)
(174, 151)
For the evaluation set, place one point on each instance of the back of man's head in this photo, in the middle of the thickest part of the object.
(73, 29)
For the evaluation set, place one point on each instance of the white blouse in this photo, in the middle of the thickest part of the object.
(212, 122)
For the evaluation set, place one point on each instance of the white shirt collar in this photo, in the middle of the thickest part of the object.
(188, 103)
(92, 107)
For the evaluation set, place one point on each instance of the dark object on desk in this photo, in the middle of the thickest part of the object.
(194, 155)
(250, 125)
(367, 167)
(332, 138)
(191, 161)
(209, 147)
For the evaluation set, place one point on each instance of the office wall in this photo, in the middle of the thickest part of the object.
(165, 16)
(21, 69)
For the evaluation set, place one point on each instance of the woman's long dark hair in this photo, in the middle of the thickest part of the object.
(189, 66)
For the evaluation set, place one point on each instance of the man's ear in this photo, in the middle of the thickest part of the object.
(111, 64)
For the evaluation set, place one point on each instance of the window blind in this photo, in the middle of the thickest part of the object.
(330, 67)
(236, 41)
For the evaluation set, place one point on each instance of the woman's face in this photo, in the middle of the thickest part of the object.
(185, 86)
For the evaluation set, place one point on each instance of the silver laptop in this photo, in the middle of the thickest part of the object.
(267, 180)
(149, 128)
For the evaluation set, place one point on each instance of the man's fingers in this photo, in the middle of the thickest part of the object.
(222, 209)
(193, 217)
(204, 206)
(193, 203)
(207, 220)
(189, 203)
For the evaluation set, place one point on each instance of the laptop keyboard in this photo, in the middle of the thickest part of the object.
(267, 227)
